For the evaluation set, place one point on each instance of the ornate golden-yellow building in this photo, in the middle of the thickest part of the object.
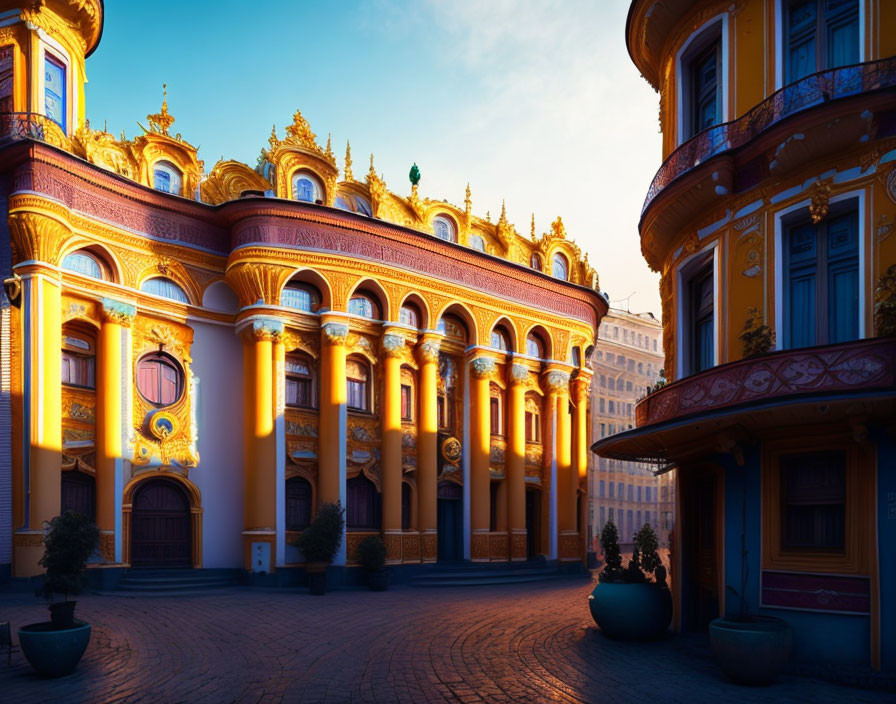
(198, 360)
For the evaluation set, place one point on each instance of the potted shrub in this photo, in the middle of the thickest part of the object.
(750, 649)
(319, 543)
(54, 648)
(626, 604)
(372, 552)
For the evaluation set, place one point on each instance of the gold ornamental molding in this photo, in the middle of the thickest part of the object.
(38, 237)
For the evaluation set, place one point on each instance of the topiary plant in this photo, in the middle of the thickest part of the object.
(646, 545)
(320, 540)
(372, 553)
(70, 540)
(609, 543)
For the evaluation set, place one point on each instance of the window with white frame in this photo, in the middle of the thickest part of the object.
(702, 76)
(819, 35)
(698, 294)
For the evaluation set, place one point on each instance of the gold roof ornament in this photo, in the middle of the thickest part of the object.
(348, 162)
(273, 140)
(299, 133)
(532, 231)
(558, 229)
(328, 152)
(161, 121)
(468, 203)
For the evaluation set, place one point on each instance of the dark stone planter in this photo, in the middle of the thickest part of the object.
(54, 653)
(378, 580)
(631, 611)
(317, 577)
(751, 652)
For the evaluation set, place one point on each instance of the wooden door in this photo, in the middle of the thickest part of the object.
(450, 522)
(533, 523)
(707, 574)
(160, 525)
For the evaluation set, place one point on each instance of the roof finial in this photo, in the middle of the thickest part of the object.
(468, 203)
(532, 233)
(503, 218)
(161, 121)
(328, 152)
(348, 161)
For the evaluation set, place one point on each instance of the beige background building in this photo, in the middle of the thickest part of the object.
(627, 359)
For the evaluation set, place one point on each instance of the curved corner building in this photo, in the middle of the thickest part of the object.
(199, 360)
(771, 220)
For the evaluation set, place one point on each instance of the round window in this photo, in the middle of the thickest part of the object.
(160, 379)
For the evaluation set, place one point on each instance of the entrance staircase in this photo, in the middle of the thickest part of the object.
(467, 574)
(175, 582)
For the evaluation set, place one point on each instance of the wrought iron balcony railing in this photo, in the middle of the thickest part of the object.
(808, 92)
(16, 126)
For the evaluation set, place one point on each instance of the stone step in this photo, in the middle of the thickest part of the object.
(483, 580)
(176, 580)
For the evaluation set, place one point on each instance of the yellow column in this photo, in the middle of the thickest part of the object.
(116, 315)
(566, 483)
(390, 459)
(581, 386)
(428, 447)
(260, 508)
(482, 369)
(331, 436)
(516, 462)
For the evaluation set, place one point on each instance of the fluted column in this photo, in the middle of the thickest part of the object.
(116, 317)
(558, 453)
(566, 484)
(260, 504)
(428, 446)
(482, 368)
(390, 458)
(516, 462)
(581, 386)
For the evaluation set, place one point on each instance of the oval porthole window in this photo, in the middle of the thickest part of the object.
(160, 379)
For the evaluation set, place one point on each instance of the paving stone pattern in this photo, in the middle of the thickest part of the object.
(519, 643)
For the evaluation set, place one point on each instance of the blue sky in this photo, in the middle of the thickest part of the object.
(531, 101)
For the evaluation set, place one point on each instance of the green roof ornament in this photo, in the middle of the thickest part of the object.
(414, 175)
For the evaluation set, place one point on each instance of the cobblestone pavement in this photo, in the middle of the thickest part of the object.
(521, 643)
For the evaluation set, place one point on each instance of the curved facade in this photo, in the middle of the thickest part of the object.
(239, 346)
(770, 220)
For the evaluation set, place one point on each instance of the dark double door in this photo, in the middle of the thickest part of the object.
(160, 525)
(450, 522)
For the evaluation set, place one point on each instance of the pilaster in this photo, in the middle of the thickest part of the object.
(482, 369)
(393, 349)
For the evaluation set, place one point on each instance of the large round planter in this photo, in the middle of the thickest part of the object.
(317, 577)
(751, 652)
(631, 611)
(54, 653)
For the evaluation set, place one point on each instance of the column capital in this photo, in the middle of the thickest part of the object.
(581, 385)
(557, 381)
(335, 333)
(118, 313)
(393, 344)
(428, 349)
(519, 375)
(483, 367)
(39, 236)
(262, 330)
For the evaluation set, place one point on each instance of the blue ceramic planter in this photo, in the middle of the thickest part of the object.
(54, 653)
(631, 611)
(751, 652)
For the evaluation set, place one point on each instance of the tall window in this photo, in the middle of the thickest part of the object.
(166, 288)
(160, 379)
(84, 263)
(54, 90)
(301, 390)
(166, 178)
(407, 408)
(822, 280)
(444, 228)
(363, 508)
(300, 296)
(78, 360)
(813, 494)
(6, 78)
(533, 423)
(307, 188)
(819, 35)
(704, 85)
(298, 503)
(495, 415)
(701, 338)
(357, 377)
(365, 305)
(560, 267)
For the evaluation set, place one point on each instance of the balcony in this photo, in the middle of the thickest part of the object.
(16, 126)
(817, 89)
(852, 382)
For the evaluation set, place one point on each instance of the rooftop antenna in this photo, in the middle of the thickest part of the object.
(626, 299)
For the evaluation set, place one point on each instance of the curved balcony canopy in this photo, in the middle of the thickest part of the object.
(818, 115)
(647, 28)
(731, 404)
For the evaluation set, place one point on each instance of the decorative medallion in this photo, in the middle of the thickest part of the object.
(451, 450)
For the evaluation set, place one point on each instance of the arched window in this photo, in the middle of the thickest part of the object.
(343, 204)
(160, 379)
(576, 357)
(307, 188)
(166, 288)
(405, 506)
(363, 206)
(298, 503)
(533, 420)
(560, 267)
(534, 346)
(363, 508)
(444, 228)
(535, 261)
(78, 360)
(446, 396)
(365, 305)
(357, 374)
(477, 243)
(500, 340)
(300, 296)
(452, 327)
(166, 178)
(496, 411)
(301, 383)
(83, 262)
(408, 315)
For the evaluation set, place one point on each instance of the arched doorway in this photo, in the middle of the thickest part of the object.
(450, 522)
(533, 522)
(160, 525)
